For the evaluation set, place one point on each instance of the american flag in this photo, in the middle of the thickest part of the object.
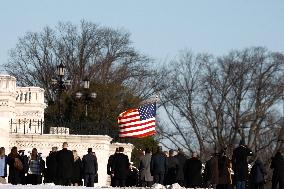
(139, 122)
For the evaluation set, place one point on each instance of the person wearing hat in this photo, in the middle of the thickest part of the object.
(90, 168)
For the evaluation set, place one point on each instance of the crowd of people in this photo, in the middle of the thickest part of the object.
(65, 167)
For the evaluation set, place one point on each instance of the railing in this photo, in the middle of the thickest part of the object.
(26, 126)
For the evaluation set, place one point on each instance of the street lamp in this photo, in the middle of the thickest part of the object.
(60, 85)
(86, 96)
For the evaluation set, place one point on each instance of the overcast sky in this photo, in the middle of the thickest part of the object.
(159, 28)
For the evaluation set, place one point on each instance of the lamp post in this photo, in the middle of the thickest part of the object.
(60, 85)
(86, 96)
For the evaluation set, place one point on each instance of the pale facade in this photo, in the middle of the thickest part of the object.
(26, 105)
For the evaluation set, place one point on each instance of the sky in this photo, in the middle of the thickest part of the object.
(159, 28)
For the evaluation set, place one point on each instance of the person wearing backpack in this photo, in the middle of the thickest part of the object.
(257, 174)
(15, 166)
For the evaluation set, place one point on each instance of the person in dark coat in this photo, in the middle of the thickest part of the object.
(51, 166)
(132, 177)
(109, 162)
(158, 166)
(3, 165)
(224, 173)
(65, 163)
(24, 159)
(192, 172)
(181, 158)
(90, 168)
(240, 164)
(120, 168)
(257, 174)
(15, 167)
(77, 170)
(144, 167)
(172, 168)
(277, 164)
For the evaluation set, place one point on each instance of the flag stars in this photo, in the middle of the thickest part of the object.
(147, 112)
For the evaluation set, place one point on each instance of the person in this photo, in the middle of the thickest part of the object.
(65, 162)
(158, 166)
(109, 162)
(172, 168)
(211, 171)
(240, 164)
(132, 177)
(120, 168)
(77, 170)
(35, 168)
(181, 158)
(277, 164)
(144, 168)
(15, 166)
(24, 171)
(224, 173)
(192, 172)
(51, 166)
(3, 166)
(257, 174)
(90, 168)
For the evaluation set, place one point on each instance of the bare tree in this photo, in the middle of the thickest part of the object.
(214, 102)
(99, 53)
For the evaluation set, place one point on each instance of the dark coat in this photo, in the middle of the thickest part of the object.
(65, 163)
(240, 164)
(132, 178)
(257, 172)
(172, 168)
(51, 165)
(109, 162)
(120, 166)
(277, 164)
(181, 158)
(158, 164)
(224, 164)
(77, 171)
(89, 164)
(192, 172)
(14, 174)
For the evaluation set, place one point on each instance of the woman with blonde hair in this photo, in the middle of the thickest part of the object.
(77, 170)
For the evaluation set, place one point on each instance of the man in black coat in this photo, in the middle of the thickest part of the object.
(51, 166)
(90, 168)
(120, 168)
(181, 157)
(65, 161)
(277, 164)
(240, 164)
(158, 166)
(109, 163)
(192, 172)
(172, 168)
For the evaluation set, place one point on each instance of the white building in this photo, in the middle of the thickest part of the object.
(21, 125)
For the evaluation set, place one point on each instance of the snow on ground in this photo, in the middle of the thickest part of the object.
(52, 186)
